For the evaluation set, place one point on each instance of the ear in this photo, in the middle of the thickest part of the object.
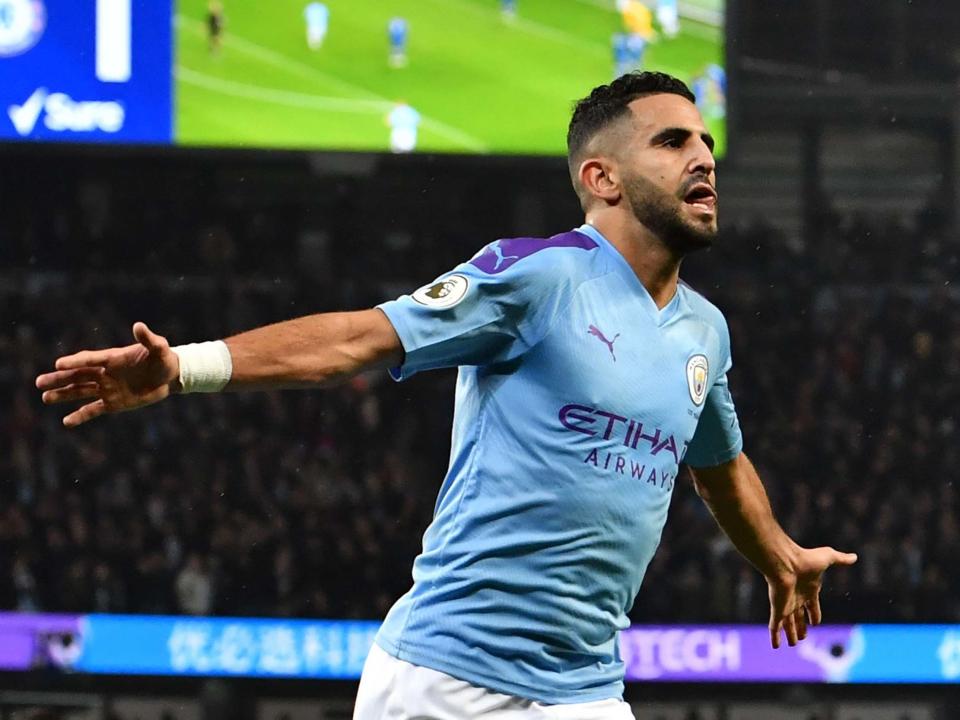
(600, 178)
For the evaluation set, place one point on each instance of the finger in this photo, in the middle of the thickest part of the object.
(801, 620)
(78, 391)
(775, 634)
(146, 337)
(63, 378)
(814, 607)
(843, 558)
(790, 628)
(83, 359)
(85, 414)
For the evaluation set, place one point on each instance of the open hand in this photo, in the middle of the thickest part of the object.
(115, 379)
(795, 595)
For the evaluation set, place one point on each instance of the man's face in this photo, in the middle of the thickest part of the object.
(668, 171)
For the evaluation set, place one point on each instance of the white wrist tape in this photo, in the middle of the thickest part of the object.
(204, 367)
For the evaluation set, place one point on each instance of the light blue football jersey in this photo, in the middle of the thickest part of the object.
(576, 401)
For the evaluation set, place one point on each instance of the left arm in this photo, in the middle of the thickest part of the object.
(735, 495)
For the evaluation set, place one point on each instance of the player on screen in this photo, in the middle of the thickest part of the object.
(508, 10)
(622, 60)
(317, 16)
(668, 15)
(627, 55)
(637, 18)
(709, 89)
(404, 122)
(215, 24)
(397, 31)
(718, 78)
(587, 374)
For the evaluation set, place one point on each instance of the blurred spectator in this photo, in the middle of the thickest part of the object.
(194, 587)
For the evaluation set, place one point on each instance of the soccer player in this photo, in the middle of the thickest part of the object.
(317, 16)
(214, 26)
(668, 15)
(709, 90)
(622, 55)
(397, 30)
(404, 122)
(636, 46)
(508, 10)
(627, 53)
(637, 18)
(718, 76)
(587, 373)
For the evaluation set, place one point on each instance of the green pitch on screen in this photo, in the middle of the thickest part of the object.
(482, 84)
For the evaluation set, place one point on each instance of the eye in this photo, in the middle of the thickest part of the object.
(673, 142)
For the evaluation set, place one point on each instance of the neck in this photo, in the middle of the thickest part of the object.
(656, 266)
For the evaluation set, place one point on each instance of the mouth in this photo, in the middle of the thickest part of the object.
(702, 197)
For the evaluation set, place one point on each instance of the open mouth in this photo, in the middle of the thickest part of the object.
(702, 197)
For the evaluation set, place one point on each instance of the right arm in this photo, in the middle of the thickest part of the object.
(313, 351)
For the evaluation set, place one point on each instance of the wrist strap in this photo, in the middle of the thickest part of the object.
(204, 367)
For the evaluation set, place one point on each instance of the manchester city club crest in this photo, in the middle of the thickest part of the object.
(444, 293)
(22, 22)
(698, 370)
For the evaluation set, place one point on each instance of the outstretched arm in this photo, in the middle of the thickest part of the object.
(312, 351)
(735, 495)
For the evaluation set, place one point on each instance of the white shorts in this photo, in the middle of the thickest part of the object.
(392, 689)
(669, 20)
(316, 35)
(403, 139)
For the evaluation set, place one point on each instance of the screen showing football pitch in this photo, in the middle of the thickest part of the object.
(454, 76)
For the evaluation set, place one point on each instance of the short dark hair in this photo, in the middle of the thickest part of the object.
(607, 103)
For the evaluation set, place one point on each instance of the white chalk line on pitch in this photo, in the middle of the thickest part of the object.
(294, 66)
(279, 97)
(288, 98)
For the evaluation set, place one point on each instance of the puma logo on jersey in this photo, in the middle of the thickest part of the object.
(501, 258)
(598, 333)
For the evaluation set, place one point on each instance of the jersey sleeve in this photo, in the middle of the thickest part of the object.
(717, 438)
(490, 309)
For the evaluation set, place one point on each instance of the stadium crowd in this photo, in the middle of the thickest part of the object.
(846, 374)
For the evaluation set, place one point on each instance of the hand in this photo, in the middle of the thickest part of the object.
(116, 379)
(795, 595)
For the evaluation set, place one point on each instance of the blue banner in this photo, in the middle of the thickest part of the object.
(137, 645)
(907, 654)
(86, 71)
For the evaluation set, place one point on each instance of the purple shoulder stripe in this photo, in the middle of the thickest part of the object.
(501, 254)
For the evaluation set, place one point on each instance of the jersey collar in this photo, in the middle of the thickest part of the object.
(660, 316)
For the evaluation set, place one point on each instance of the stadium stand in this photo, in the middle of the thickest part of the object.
(847, 369)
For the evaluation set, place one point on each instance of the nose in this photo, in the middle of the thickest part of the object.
(702, 160)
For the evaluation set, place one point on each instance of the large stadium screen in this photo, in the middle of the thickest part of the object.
(459, 76)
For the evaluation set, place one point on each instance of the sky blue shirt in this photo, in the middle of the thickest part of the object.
(576, 401)
(404, 117)
(317, 14)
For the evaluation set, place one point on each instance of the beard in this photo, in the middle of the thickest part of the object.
(661, 213)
